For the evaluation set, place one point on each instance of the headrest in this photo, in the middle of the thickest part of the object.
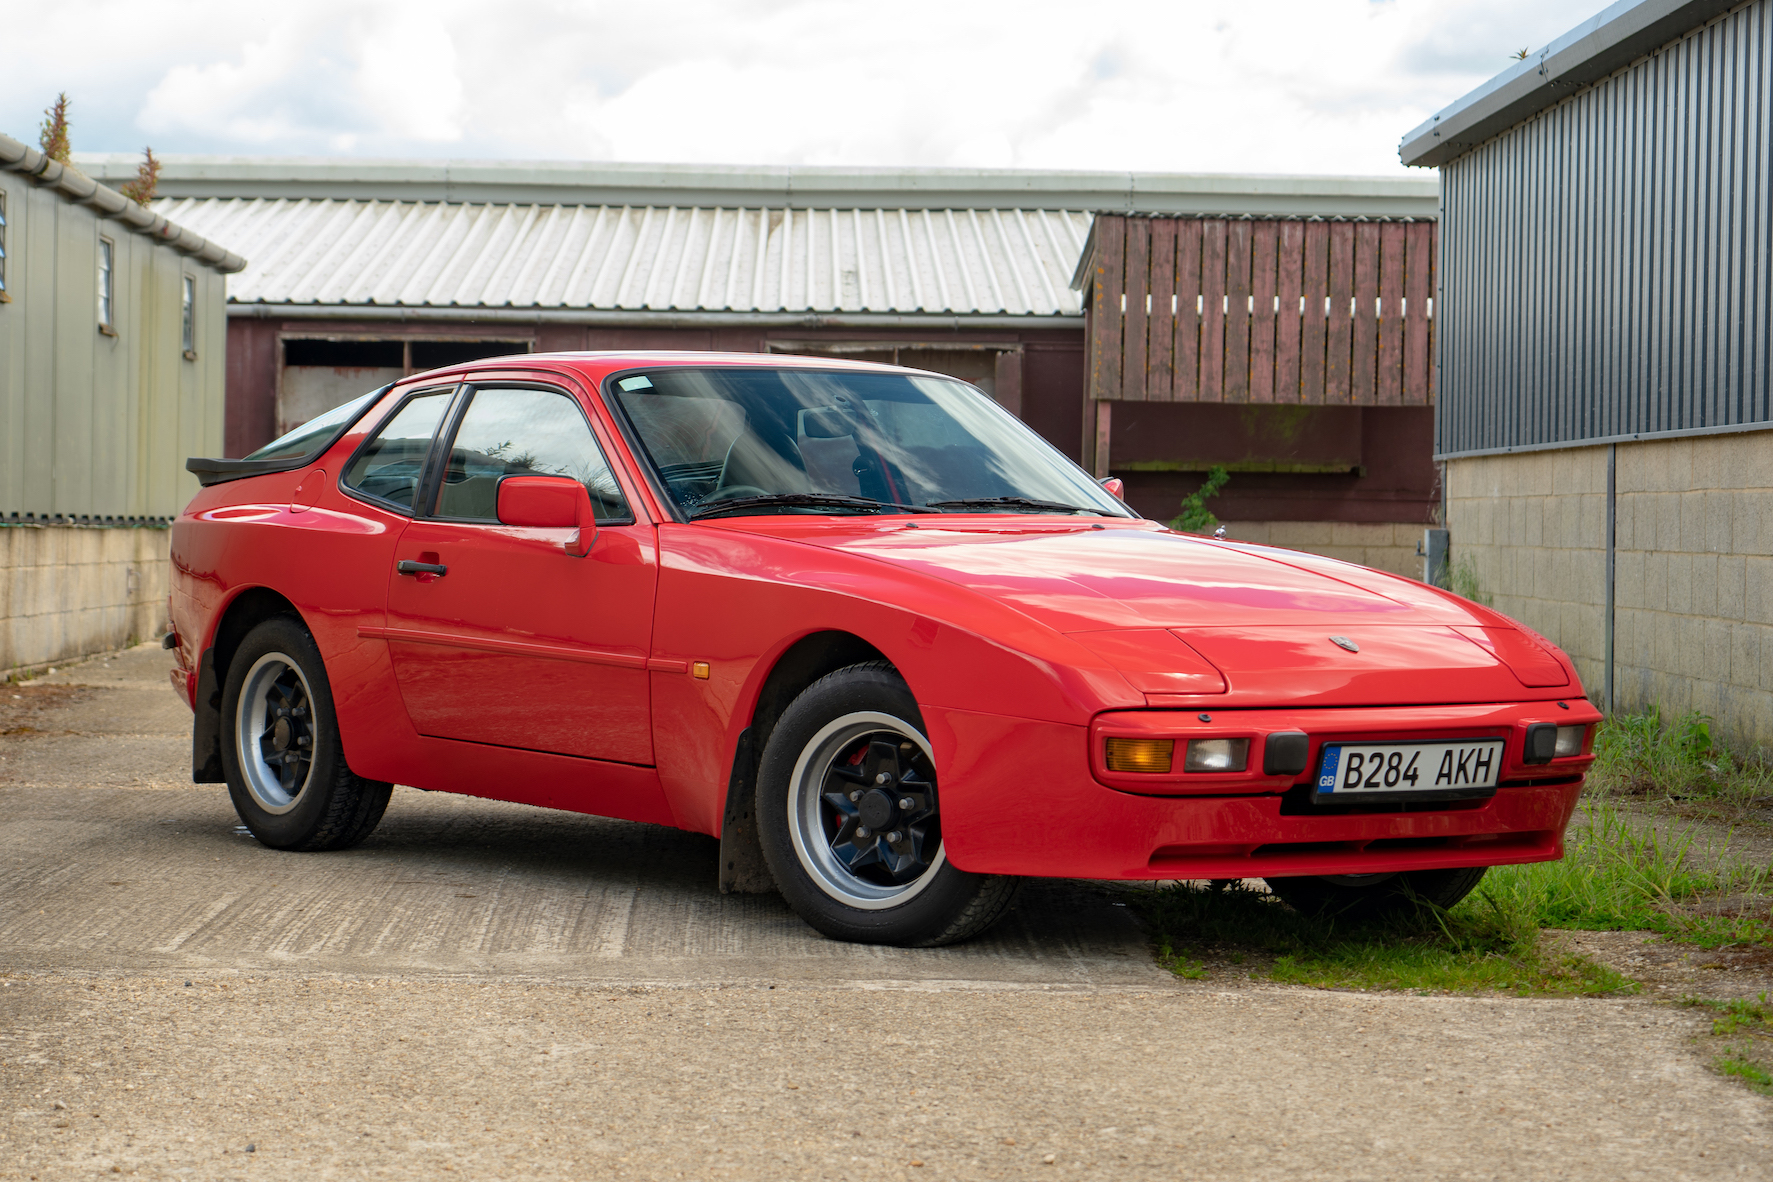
(826, 423)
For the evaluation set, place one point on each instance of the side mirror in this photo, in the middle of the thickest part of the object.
(1117, 488)
(549, 502)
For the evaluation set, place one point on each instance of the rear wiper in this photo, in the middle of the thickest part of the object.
(817, 500)
(1020, 504)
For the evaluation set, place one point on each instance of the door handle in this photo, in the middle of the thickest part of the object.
(407, 566)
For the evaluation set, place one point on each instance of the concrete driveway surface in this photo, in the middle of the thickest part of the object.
(492, 991)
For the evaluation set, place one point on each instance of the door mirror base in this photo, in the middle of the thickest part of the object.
(549, 502)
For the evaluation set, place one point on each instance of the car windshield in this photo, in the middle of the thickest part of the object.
(758, 440)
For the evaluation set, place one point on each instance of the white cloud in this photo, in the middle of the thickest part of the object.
(1207, 85)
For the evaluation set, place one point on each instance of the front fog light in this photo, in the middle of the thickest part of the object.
(1217, 755)
(1570, 740)
(1140, 755)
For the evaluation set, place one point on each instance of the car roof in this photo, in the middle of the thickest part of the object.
(598, 364)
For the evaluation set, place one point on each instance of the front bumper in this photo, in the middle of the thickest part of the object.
(1021, 797)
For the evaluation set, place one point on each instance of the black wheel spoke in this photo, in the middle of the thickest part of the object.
(878, 806)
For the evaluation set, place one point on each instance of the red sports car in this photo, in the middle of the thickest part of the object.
(858, 622)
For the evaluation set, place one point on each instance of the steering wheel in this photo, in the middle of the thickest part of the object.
(733, 492)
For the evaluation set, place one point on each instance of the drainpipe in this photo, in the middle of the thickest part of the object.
(1612, 536)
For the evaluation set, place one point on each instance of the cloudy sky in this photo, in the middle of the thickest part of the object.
(1316, 86)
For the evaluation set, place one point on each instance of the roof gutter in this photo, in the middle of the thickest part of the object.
(1611, 40)
(615, 317)
(70, 182)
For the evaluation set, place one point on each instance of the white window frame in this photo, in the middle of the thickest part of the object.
(107, 286)
(3, 296)
(188, 315)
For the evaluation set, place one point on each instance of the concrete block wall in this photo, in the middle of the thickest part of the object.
(1693, 566)
(1387, 546)
(70, 591)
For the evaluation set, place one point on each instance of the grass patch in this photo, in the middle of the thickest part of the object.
(1677, 760)
(1479, 945)
(1620, 874)
(1748, 1024)
(1617, 874)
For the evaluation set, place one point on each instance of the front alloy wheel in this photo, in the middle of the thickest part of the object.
(849, 816)
(864, 817)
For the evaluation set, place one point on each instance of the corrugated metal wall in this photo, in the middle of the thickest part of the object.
(1607, 267)
(95, 424)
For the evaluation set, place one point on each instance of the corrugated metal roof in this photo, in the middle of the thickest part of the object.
(645, 258)
(1616, 36)
(719, 186)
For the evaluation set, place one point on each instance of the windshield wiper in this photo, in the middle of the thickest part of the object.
(811, 500)
(1018, 504)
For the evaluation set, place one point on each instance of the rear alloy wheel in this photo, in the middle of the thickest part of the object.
(1373, 897)
(850, 817)
(286, 770)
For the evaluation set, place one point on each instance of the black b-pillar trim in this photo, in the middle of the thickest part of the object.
(206, 726)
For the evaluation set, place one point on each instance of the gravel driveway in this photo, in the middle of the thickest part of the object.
(495, 991)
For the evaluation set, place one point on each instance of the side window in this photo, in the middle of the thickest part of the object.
(390, 466)
(510, 432)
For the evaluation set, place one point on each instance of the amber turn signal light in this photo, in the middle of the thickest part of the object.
(1141, 755)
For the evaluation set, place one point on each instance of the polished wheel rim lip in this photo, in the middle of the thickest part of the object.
(253, 723)
(806, 823)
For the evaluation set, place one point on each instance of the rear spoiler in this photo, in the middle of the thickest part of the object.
(210, 472)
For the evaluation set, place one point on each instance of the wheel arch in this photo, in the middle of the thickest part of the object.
(244, 612)
(742, 868)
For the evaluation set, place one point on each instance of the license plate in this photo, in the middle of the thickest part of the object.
(1403, 771)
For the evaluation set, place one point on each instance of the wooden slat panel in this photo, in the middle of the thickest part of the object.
(1104, 437)
(1337, 328)
(1105, 314)
(1237, 311)
(1138, 288)
(1311, 324)
(1161, 333)
(1366, 326)
(1434, 285)
(1188, 312)
(1264, 238)
(1391, 314)
(1418, 250)
(1212, 310)
(1289, 263)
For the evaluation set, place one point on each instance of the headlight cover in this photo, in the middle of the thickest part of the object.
(1217, 755)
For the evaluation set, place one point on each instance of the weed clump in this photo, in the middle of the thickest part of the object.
(52, 134)
(1676, 760)
(1195, 517)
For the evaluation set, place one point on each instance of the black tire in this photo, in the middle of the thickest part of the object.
(1385, 896)
(849, 728)
(298, 793)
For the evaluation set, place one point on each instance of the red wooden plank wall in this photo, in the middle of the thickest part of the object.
(1188, 309)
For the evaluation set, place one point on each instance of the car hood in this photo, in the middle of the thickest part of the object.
(1261, 617)
(1077, 578)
